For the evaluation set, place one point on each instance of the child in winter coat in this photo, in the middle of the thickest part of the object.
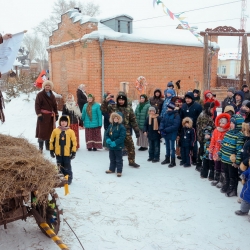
(222, 123)
(63, 146)
(168, 98)
(151, 130)
(187, 140)
(208, 165)
(115, 136)
(208, 97)
(245, 194)
(231, 141)
(169, 128)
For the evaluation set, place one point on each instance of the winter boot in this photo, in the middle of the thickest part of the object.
(225, 185)
(232, 190)
(40, 142)
(166, 161)
(133, 164)
(239, 212)
(172, 164)
(222, 178)
(216, 178)
(47, 144)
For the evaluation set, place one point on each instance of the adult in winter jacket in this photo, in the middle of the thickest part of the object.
(47, 114)
(2, 117)
(231, 143)
(246, 92)
(169, 127)
(204, 120)
(81, 96)
(247, 114)
(229, 100)
(115, 136)
(152, 131)
(129, 120)
(63, 146)
(197, 97)
(239, 97)
(222, 123)
(71, 109)
(208, 97)
(92, 121)
(192, 110)
(157, 100)
(170, 85)
(141, 113)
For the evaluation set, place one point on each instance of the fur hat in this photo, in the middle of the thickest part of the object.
(47, 82)
(187, 120)
(231, 89)
(171, 105)
(170, 84)
(229, 108)
(112, 117)
(152, 108)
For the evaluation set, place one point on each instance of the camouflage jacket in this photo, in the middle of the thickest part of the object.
(203, 121)
(128, 115)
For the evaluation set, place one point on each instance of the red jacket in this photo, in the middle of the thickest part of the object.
(218, 135)
(216, 102)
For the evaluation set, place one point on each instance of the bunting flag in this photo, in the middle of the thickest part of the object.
(184, 24)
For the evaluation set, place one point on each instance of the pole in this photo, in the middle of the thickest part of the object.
(246, 59)
(205, 64)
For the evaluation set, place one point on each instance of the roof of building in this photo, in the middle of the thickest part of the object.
(116, 16)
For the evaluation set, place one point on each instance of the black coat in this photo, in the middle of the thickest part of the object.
(228, 101)
(187, 137)
(192, 111)
(81, 99)
(152, 134)
(246, 95)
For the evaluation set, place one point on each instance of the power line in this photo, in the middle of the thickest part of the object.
(212, 6)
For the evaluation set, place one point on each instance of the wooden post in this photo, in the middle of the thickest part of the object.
(246, 59)
(205, 64)
(242, 62)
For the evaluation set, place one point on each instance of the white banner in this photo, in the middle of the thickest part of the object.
(8, 51)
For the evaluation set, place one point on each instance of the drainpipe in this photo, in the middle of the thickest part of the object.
(101, 40)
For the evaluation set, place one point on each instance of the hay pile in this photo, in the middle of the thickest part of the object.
(23, 167)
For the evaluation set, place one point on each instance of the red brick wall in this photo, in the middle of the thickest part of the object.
(79, 63)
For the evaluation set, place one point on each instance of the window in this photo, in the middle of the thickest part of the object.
(218, 70)
(119, 26)
(223, 70)
(128, 27)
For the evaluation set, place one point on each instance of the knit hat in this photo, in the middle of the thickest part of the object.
(244, 103)
(170, 91)
(189, 95)
(170, 84)
(231, 89)
(122, 97)
(196, 91)
(171, 105)
(229, 108)
(152, 108)
(248, 105)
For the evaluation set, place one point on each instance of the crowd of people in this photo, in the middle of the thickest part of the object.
(188, 127)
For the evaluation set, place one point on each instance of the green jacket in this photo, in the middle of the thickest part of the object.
(141, 116)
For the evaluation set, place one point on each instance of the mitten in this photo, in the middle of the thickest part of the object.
(40, 118)
(108, 141)
(112, 144)
(210, 156)
(52, 154)
(73, 155)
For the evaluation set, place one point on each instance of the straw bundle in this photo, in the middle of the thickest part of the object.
(22, 167)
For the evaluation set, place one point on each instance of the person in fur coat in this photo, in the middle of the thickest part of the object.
(187, 140)
(222, 123)
(115, 136)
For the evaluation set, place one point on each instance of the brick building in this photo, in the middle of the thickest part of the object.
(103, 54)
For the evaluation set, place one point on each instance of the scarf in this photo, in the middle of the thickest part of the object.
(63, 128)
(154, 117)
(71, 106)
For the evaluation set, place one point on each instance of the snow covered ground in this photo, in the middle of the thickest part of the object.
(152, 207)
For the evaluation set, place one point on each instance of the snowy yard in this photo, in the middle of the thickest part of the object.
(152, 207)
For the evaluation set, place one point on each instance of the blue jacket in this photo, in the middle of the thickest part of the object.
(164, 105)
(96, 116)
(170, 124)
(245, 193)
(152, 134)
(116, 132)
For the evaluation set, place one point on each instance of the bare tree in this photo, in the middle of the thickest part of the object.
(30, 42)
(60, 7)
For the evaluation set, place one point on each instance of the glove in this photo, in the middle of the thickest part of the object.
(40, 118)
(108, 141)
(112, 144)
(52, 154)
(73, 155)
(210, 156)
(137, 135)
(56, 117)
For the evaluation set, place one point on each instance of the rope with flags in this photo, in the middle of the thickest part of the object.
(184, 24)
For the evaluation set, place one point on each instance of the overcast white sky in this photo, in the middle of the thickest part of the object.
(18, 15)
